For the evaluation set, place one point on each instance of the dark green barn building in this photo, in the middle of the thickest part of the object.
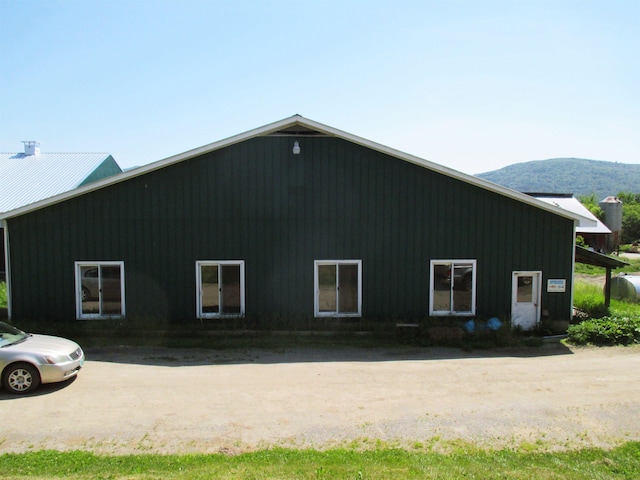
(294, 219)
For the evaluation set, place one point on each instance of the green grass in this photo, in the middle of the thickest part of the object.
(617, 325)
(590, 298)
(3, 295)
(634, 266)
(622, 462)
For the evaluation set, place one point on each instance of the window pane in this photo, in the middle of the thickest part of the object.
(462, 287)
(210, 288)
(230, 297)
(90, 289)
(525, 289)
(111, 289)
(442, 287)
(327, 295)
(348, 288)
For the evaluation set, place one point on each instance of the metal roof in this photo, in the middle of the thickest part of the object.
(572, 204)
(26, 179)
(306, 125)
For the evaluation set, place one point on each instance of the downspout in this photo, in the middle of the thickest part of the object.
(7, 264)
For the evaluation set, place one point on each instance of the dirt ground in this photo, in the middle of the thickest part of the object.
(142, 400)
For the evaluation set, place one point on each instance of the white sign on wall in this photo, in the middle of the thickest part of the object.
(558, 285)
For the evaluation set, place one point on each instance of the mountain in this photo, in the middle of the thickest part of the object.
(568, 175)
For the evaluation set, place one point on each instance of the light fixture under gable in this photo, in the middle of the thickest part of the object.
(296, 148)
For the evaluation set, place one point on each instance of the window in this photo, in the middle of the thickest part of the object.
(99, 289)
(220, 289)
(338, 287)
(453, 287)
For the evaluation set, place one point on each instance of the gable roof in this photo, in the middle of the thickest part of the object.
(301, 126)
(29, 179)
(569, 202)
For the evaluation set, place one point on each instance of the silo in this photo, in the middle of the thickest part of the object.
(612, 208)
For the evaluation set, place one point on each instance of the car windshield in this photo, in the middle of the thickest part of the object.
(10, 335)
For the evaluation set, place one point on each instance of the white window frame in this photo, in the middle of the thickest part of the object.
(432, 280)
(78, 279)
(203, 315)
(316, 303)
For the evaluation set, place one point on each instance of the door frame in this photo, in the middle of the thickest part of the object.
(536, 274)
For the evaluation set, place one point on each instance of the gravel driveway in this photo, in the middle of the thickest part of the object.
(137, 400)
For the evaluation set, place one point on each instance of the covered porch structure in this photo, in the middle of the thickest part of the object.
(589, 257)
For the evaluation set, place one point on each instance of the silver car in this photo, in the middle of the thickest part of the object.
(27, 360)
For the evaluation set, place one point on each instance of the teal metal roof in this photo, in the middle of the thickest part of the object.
(26, 179)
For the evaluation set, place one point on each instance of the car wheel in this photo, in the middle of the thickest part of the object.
(21, 378)
(85, 294)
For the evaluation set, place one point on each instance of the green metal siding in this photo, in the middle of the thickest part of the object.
(256, 201)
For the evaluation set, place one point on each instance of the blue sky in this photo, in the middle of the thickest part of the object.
(473, 85)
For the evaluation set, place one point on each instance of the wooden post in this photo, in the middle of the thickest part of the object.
(607, 288)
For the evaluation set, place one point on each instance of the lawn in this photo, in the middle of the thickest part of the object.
(590, 298)
(633, 267)
(622, 462)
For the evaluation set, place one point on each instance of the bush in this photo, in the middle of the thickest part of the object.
(606, 331)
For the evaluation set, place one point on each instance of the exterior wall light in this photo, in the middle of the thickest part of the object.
(296, 148)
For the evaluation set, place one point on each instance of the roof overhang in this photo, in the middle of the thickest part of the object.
(589, 257)
(304, 125)
(570, 203)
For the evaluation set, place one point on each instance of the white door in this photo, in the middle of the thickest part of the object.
(525, 303)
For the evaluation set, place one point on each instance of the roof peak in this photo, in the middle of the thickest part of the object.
(297, 124)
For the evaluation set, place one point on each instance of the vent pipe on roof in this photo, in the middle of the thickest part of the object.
(31, 147)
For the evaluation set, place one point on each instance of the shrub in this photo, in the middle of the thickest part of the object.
(606, 331)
